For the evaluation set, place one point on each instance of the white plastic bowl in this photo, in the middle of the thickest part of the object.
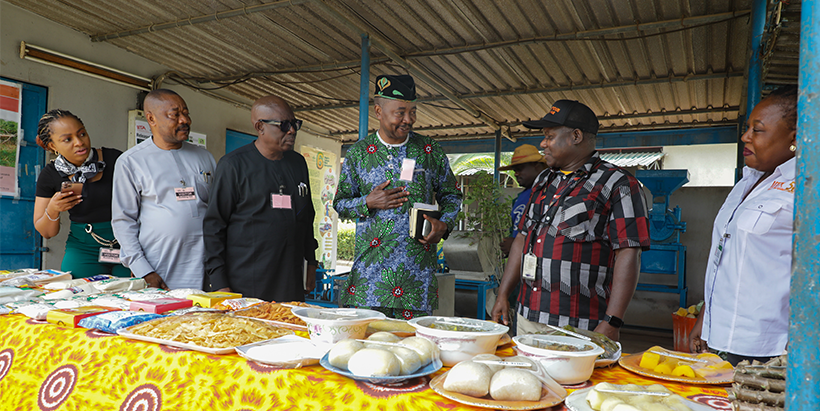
(333, 325)
(565, 367)
(457, 346)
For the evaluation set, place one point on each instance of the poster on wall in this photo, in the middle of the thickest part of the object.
(11, 103)
(323, 177)
(140, 131)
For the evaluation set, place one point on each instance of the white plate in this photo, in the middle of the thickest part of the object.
(577, 401)
(312, 352)
(423, 371)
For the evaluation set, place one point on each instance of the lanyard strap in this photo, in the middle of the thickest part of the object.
(552, 208)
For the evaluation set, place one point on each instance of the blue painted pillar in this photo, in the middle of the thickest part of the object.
(803, 375)
(364, 88)
(755, 86)
(497, 160)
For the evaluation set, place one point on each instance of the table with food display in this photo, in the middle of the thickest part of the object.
(110, 343)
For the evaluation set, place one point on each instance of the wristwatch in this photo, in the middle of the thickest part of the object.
(613, 320)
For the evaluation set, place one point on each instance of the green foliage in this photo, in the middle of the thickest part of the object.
(469, 164)
(346, 240)
(488, 211)
(8, 127)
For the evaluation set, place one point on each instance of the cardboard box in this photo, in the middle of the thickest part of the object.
(160, 305)
(69, 317)
(209, 300)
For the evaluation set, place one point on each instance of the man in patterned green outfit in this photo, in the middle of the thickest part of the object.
(392, 272)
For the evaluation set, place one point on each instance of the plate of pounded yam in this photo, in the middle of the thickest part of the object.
(488, 381)
(630, 397)
(383, 358)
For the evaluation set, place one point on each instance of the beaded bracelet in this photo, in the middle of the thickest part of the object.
(52, 219)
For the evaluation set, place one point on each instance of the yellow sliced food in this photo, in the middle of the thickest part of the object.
(683, 371)
(663, 368)
(650, 360)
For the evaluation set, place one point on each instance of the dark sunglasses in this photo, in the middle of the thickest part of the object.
(284, 125)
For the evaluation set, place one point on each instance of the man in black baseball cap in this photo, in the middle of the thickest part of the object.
(581, 234)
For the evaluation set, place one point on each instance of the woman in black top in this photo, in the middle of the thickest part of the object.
(91, 248)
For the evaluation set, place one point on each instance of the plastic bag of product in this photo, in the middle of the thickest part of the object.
(73, 303)
(112, 321)
(38, 278)
(37, 311)
(237, 303)
(114, 285)
(4, 309)
(80, 290)
(142, 296)
(10, 294)
(112, 301)
(184, 292)
(193, 310)
(23, 281)
(61, 285)
(8, 274)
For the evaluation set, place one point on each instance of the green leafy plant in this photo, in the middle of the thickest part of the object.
(488, 212)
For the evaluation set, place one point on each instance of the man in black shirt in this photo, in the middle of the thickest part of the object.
(259, 225)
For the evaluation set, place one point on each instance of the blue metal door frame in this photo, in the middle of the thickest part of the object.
(803, 374)
(20, 243)
(236, 139)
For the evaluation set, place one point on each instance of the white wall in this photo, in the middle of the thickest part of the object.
(711, 165)
(103, 106)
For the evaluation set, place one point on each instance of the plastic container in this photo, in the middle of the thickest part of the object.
(333, 325)
(565, 367)
(160, 305)
(681, 327)
(457, 346)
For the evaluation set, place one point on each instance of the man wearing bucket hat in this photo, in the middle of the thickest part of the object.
(382, 177)
(527, 163)
(577, 254)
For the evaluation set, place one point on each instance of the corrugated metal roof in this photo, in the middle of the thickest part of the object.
(638, 64)
(635, 159)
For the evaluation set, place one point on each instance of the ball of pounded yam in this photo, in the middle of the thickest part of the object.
(511, 384)
(410, 360)
(340, 354)
(469, 378)
(382, 336)
(489, 357)
(372, 362)
(610, 403)
(427, 349)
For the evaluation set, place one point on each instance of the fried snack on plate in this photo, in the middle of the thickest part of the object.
(274, 312)
(209, 330)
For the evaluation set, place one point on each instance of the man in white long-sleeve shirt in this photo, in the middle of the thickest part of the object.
(161, 189)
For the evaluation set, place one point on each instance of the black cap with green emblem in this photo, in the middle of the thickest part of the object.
(401, 87)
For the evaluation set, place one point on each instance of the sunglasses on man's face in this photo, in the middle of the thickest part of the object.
(285, 125)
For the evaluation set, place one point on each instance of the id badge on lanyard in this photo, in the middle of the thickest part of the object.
(185, 193)
(528, 266)
(109, 255)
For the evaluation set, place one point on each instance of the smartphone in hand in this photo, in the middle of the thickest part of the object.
(68, 187)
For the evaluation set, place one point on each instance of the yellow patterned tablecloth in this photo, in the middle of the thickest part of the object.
(46, 367)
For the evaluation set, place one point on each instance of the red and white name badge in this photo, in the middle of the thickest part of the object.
(109, 255)
(185, 193)
(280, 201)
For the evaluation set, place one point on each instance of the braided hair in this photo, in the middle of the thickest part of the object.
(786, 98)
(44, 126)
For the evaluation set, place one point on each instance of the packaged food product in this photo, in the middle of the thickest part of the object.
(10, 294)
(73, 303)
(184, 292)
(110, 300)
(36, 278)
(83, 289)
(160, 305)
(37, 311)
(234, 304)
(69, 317)
(114, 285)
(143, 295)
(112, 321)
(272, 312)
(193, 310)
(211, 299)
(59, 285)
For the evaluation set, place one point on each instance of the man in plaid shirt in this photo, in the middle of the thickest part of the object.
(579, 241)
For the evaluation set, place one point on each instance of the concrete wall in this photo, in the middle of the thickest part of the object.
(102, 105)
(711, 165)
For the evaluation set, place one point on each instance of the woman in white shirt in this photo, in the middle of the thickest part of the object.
(746, 289)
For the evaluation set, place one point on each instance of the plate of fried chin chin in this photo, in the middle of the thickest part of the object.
(657, 362)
